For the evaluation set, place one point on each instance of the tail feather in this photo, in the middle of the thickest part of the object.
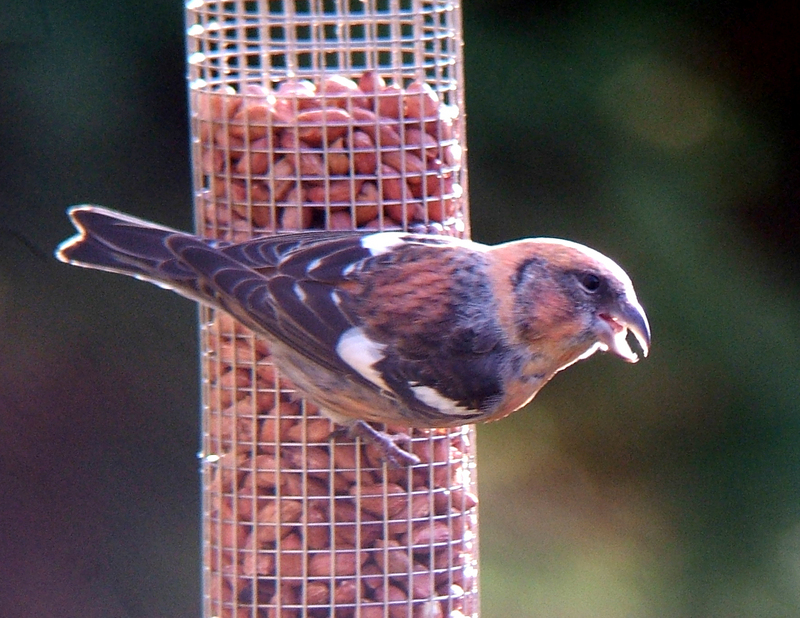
(108, 240)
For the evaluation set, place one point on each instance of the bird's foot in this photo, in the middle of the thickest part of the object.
(386, 443)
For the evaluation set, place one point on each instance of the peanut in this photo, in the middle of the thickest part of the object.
(252, 164)
(300, 92)
(369, 609)
(318, 593)
(296, 218)
(316, 531)
(381, 499)
(420, 100)
(289, 558)
(365, 158)
(371, 81)
(392, 183)
(390, 101)
(214, 108)
(423, 585)
(310, 165)
(315, 430)
(277, 519)
(283, 177)
(326, 124)
(391, 557)
(341, 563)
(406, 162)
(429, 609)
(405, 212)
(394, 597)
(336, 191)
(341, 92)
(340, 220)
(365, 213)
(421, 140)
(382, 133)
(252, 121)
(263, 215)
(338, 158)
(346, 592)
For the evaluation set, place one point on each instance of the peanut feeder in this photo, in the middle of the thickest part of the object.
(312, 115)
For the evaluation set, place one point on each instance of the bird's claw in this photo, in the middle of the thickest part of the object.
(387, 444)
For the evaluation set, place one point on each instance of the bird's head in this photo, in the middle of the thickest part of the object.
(570, 301)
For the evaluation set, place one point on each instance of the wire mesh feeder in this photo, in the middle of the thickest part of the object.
(325, 115)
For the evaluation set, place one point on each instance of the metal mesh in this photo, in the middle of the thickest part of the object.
(325, 115)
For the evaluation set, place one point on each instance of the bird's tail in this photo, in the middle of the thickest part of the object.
(109, 240)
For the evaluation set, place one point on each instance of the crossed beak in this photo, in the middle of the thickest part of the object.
(626, 315)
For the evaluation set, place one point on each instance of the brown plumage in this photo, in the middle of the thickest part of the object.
(393, 327)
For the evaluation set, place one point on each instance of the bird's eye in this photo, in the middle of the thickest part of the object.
(590, 282)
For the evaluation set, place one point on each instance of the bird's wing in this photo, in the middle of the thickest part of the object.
(413, 321)
(298, 288)
(298, 311)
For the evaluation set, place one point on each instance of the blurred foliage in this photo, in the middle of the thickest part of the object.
(664, 134)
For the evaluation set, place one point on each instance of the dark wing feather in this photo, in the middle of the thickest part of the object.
(294, 252)
(301, 316)
(237, 289)
(472, 382)
(309, 311)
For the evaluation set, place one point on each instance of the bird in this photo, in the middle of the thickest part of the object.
(393, 327)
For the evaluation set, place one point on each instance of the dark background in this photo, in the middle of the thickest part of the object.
(664, 135)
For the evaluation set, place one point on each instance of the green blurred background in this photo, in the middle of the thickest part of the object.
(665, 134)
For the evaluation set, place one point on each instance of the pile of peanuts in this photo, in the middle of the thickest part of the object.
(336, 154)
(297, 525)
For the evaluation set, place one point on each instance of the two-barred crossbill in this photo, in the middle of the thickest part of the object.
(392, 327)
